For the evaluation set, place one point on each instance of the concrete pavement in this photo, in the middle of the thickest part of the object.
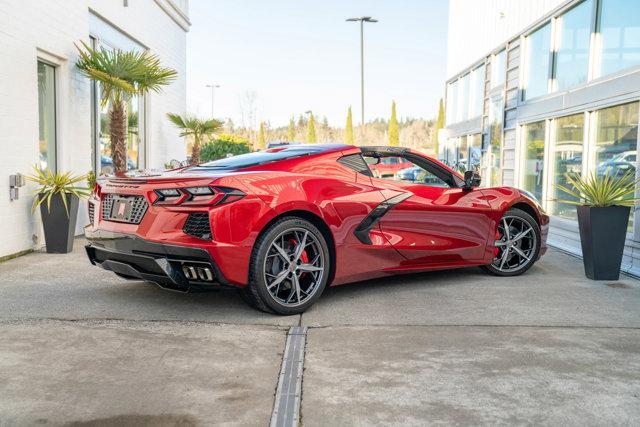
(79, 345)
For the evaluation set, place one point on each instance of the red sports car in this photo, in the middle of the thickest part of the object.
(283, 224)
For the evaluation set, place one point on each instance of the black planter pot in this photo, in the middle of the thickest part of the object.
(59, 227)
(602, 235)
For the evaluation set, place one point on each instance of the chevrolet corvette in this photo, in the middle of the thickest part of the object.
(282, 224)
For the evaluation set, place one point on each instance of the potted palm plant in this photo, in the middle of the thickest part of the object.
(198, 128)
(603, 204)
(58, 195)
(122, 74)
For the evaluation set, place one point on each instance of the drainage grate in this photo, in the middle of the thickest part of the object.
(286, 408)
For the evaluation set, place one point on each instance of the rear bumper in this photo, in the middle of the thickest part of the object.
(159, 263)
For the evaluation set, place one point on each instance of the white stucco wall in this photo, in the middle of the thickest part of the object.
(33, 29)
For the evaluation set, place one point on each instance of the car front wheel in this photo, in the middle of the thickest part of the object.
(517, 242)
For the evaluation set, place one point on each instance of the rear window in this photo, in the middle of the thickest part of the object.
(258, 158)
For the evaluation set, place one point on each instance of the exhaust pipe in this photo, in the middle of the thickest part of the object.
(205, 274)
(200, 273)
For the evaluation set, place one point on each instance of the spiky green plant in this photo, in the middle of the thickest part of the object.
(91, 180)
(122, 74)
(198, 128)
(601, 190)
(50, 184)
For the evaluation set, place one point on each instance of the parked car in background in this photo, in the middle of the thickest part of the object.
(389, 166)
(106, 165)
(619, 164)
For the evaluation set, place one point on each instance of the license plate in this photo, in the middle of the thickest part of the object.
(120, 210)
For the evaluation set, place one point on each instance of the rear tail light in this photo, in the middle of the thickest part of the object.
(198, 196)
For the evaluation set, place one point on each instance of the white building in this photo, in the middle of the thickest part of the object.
(50, 114)
(537, 89)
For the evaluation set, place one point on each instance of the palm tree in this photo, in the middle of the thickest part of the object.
(122, 74)
(198, 128)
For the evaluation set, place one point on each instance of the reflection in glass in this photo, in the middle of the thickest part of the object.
(452, 98)
(496, 116)
(475, 147)
(463, 99)
(573, 32)
(617, 141)
(46, 116)
(619, 35)
(499, 68)
(463, 154)
(566, 160)
(135, 121)
(477, 92)
(538, 45)
(534, 158)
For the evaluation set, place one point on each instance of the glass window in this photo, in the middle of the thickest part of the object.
(573, 33)
(619, 27)
(566, 159)
(476, 92)
(533, 158)
(47, 116)
(260, 157)
(133, 133)
(616, 139)
(405, 171)
(496, 118)
(475, 147)
(499, 68)
(463, 155)
(537, 46)
(463, 99)
(452, 99)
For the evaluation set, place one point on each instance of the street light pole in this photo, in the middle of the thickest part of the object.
(213, 87)
(362, 20)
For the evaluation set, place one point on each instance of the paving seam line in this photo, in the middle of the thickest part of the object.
(286, 407)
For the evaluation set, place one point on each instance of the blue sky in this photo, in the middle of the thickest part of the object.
(299, 55)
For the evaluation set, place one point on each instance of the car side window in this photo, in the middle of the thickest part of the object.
(397, 168)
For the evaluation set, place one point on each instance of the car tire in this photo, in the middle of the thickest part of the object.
(269, 264)
(515, 248)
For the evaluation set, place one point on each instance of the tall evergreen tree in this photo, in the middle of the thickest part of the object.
(348, 130)
(291, 132)
(439, 125)
(262, 142)
(311, 130)
(394, 137)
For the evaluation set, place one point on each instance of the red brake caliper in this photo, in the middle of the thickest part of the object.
(303, 257)
(496, 250)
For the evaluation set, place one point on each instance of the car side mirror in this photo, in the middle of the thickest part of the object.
(471, 180)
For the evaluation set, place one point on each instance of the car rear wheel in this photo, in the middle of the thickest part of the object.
(289, 267)
(517, 242)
